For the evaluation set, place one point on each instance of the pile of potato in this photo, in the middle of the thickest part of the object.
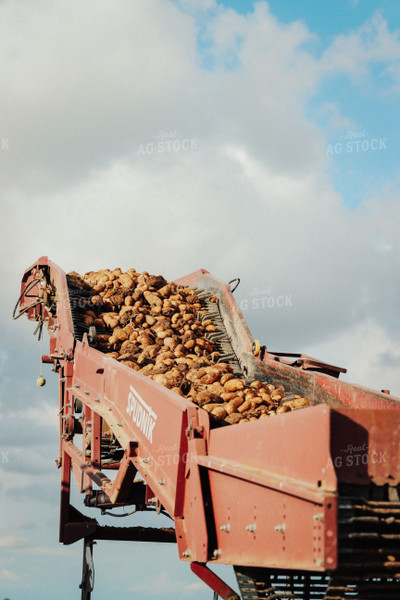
(161, 330)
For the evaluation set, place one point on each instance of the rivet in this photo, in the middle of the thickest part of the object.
(226, 528)
(252, 527)
(217, 553)
(281, 528)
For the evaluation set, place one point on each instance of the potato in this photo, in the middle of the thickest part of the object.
(232, 385)
(154, 301)
(126, 281)
(234, 405)
(211, 375)
(219, 413)
(211, 406)
(244, 406)
(111, 319)
(233, 418)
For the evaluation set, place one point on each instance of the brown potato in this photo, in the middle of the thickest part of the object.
(234, 385)
(219, 413)
(244, 406)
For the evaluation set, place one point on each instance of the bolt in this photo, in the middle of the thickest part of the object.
(119, 423)
(186, 553)
(77, 385)
(161, 481)
(252, 527)
(87, 392)
(281, 528)
(320, 562)
(152, 501)
(88, 423)
(97, 399)
(63, 378)
(87, 453)
(226, 528)
(146, 459)
(217, 553)
(319, 516)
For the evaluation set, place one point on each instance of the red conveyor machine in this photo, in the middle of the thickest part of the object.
(304, 505)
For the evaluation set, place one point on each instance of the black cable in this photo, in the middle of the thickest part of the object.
(25, 291)
(232, 280)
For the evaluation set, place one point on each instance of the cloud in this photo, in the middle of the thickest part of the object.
(10, 576)
(358, 52)
(13, 542)
(379, 373)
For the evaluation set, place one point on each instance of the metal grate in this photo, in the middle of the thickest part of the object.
(257, 584)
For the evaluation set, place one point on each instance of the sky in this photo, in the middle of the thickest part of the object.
(257, 140)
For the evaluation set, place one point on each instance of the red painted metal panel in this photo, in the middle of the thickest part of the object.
(293, 445)
(365, 446)
(259, 526)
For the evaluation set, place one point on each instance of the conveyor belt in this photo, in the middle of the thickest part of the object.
(257, 584)
(80, 299)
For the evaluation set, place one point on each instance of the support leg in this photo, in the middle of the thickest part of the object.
(87, 584)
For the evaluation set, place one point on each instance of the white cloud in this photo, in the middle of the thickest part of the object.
(369, 353)
(9, 576)
(357, 52)
(13, 542)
